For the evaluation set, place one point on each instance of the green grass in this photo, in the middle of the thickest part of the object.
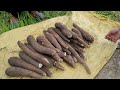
(114, 15)
(26, 19)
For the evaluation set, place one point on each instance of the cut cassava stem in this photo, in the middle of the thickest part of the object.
(20, 72)
(85, 34)
(50, 59)
(61, 34)
(80, 60)
(58, 38)
(69, 60)
(38, 57)
(28, 59)
(52, 39)
(40, 48)
(17, 62)
(63, 29)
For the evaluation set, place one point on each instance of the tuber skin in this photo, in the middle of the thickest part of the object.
(75, 30)
(69, 60)
(67, 51)
(80, 60)
(29, 60)
(77, 42)
(17, 62)
(78, 47)
(52, 39)
(44, 41)
(42, 49)
(61, 34)
(74, 58)
(75, 36)
(85, 34)
(58, 38)
(82, 56)
(55, 56)
(30, 47)
(62, 54)
(38, 57)
(20, 72)
(63, 29)
(54, 63)
(47, 71)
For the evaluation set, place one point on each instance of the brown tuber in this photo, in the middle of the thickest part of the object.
(67, 51)
(63, 29)
(79, 35)
(40, 54)
(44, 41)
(85, 34)
(62, 54)
(82, 55)
(52, 39)
(20, 72)
(58, 38)
(17, 62)
(47, 71)
(77, 42)
(61, 34)
(38, 57)
(42, 49)
(50, 59)
(74, 58)
(80, 60)
(77, 48)
(69, 60)
(75, 36)
(55, 56)
(54, 63)
(30, 47)
(75, 30)
(28, 59)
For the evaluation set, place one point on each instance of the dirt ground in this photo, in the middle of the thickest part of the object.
(112, 69)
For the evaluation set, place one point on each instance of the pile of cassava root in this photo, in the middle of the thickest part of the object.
(56, 45)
